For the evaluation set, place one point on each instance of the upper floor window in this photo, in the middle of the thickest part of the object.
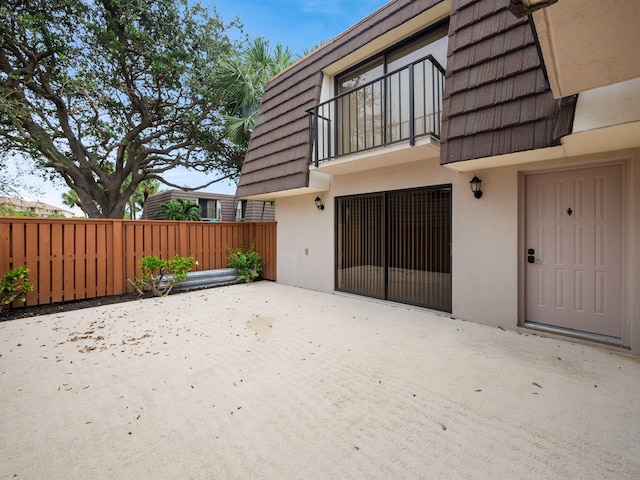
(394, 96)
(433, 42)
(361, 75)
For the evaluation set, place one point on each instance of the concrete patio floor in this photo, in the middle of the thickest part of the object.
(265, 381)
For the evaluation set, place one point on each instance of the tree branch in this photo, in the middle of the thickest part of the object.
(189, 189)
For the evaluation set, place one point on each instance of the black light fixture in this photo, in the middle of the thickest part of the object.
(475, 184)
(319, 203)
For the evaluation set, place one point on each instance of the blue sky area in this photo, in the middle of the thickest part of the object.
(298, 25)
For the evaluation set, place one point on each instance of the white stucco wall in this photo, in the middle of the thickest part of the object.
(305, 242)
(486, 250)
(484, 263)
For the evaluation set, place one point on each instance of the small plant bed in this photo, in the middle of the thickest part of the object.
(159, 278)
(36, 310)
(53, 308)
(247, 262)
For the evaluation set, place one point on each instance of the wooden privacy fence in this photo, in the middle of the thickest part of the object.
(87, 258)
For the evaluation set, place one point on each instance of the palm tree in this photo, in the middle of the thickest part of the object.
(242, 79)
(70, 199)
(307, 51)
(144, 191)
(179, 209)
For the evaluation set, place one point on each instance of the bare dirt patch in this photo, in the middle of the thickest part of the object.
(37, 310)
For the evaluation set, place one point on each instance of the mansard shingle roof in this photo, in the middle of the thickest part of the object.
(497, 100)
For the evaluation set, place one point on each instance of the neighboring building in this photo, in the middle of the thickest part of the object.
(38, 208)
(214, 206)
(371, 128)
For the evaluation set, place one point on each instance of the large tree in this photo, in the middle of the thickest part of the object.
(110, 93)
(136, 203)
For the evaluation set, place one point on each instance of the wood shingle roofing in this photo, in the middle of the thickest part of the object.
(496, 97)
(497, 100)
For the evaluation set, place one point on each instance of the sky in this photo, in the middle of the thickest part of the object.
(297, 24)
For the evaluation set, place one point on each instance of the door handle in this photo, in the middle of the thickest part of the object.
(531, 256)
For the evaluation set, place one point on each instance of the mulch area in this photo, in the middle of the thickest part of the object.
(36, 310)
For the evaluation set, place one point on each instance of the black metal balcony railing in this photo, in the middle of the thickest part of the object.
(402, 105)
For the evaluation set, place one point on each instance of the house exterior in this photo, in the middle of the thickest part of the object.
(370, 145)
(38, 208)
(214, 206)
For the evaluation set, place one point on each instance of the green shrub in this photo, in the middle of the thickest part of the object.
(180, 209)
(248, 263)
(14, 284)
(155, 274)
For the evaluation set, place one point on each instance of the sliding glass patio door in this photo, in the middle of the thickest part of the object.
(396, 246)
(361, 245)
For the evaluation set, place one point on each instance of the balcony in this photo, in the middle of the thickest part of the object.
(400, 108)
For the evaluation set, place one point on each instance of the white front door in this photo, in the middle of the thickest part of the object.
(574, 250)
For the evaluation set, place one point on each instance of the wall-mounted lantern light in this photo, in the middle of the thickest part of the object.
(319, 204)
(475, 184)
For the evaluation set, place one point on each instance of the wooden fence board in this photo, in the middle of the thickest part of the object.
(40, 273)
(5, 237)
(265, 235)
(130, 265)
(172, 239)
(117, 282)
(18, 245)
(80, 273)
(84, 258)
(102, 253)
(31, 253)
(193, 233)
(57, 269)
(156, 238)
(68, 261)
(91, 259)
(182, 240)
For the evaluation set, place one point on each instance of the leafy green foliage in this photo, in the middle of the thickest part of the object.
(248, 263)
(159, 276)
(70, 199)
(7, 211)
(242, 78)
(106, 94)
(14, 284)
(179, 209)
